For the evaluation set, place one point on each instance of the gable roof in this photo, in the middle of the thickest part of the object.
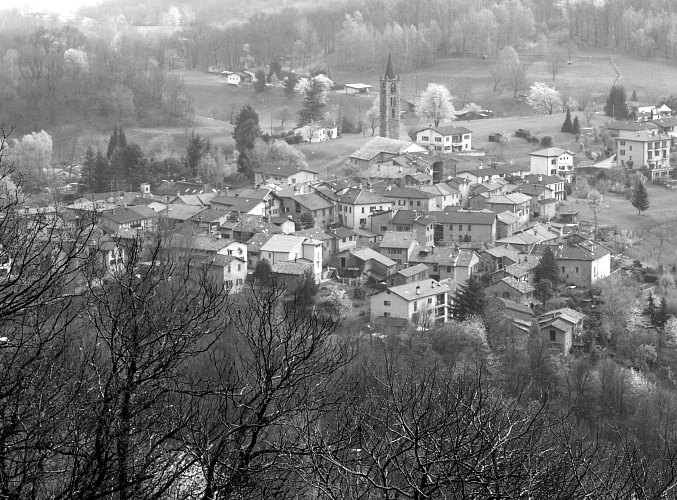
(282, 169)
(550, 152)
(509, 199)
(447, 130)
(298, 268)
(423, 288)
(543, 180)
(358, 196)
(566, 314)
(408, 217)
(521, 286)
(367, 253)
(282, 243)
(395, 239)
(482, 217)
(585, 250)
(236, 203)
(379, 145)
(311, 201)
(405, 192)
(445, 256)
(125, 215)
(412, 270)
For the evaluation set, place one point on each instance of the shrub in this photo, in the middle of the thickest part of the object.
(546, 141)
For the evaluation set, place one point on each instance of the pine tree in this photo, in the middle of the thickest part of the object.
(197, 147)
(290, 85)
(634, 96)
(246, 129)
(640, 197)
(88, 172)
(135, 166)
(616, 105)
(546, 268)
(576, 126)
(567, 125)
(102, 176)
(469, 300)
(112, 143)
(260, 83)
(122, 139)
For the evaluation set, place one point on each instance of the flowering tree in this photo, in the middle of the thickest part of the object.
(544, 98)
(436, 104)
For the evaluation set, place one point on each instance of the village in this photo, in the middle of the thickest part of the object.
(399, 238)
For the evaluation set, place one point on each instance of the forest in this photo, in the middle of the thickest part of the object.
(106, 66)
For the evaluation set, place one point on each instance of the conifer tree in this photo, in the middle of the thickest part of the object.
(112, 143)
(469, 300)
(102, 177)
(567, 126)
(576, 126)
(640, 197)
(88, 172)
(546, 268)
(616, 105)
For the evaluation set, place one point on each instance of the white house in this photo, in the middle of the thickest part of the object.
(647, 148)
(289, 248)
(448, 139)
(423, 303)
(356, 204)
(317, 132)
(553, 161)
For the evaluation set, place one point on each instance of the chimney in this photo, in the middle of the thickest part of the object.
(418, 289)
(540, 178)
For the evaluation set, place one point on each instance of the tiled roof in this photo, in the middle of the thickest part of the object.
(282, 243)
(250, 223)
(508, 218)
(395, 239)
(197, 242)
(357, 196)
(550, 152)
(124, 215)
(342, 232)
(210, 215)
(412, 270)
(177, 211)
(670, 121)
(282, 169)
(521, 286)
(408, 217)
(236, 203)
(544, 180)
(255, 243)
(522, 268)
(423, 288)
(406, 192)
(482, 217)
(199, 199)
(315, 233)
(447, 130)
(379, 145)
(367, 253)
(445, 256)
(587, 251)
(503, 251)
(512, 305)
(294, 268)
(312, 201)
(509, 199)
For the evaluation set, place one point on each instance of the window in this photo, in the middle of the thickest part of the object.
(415, 306)
(411, 203)
(622, 143)
(239, 267)
(622, 152)
(460, 227)
(363, 210)
(562, 269)
(363, 222)
(577, 270)
(469, 227)
(553, 161)
(386, 302)
(293, 180)
(418, 203)
(386, 315)
(630, 148)
(430, 300)
(649, 154)
(451, 227)
(239, 281)
(229, 283)
(448, 269)
(506, 295)
(438, 139)
(424, 138)
(553, 336)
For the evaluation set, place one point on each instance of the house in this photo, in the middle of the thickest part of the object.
(417, 272)
(615, 128)
(517, 204)
(204, 245)
(289, 273)
(477, 226)
(312, 203)
(138, 217)
(317, 132)
(113, 256)
(284, 174)
(543, 202)
(328, 240)
(398, 246)
(511, 289)
(399, 172)
(210, 220)
(445, 195)
(645, 148)
(171, 214)
(345, 238)
(497, 258)
(289, 248)
(458, 264)
(552, 182)
(230, 270)
(380, 149)
(667, 126)
(562, 329)
(582, 263)
(446, 139)
(507, 224)
(409, 197)
(355, 204)
(413, 220)
(422, 303)
(243, 227)
(369, 263)
(553, 161)
(272, 204)
(237, 77)
(197, 199)
(523, 270)
(517, 319)
(240, 205)
(254, 245)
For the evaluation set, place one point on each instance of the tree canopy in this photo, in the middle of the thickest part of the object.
(616, 105)
(435, 104)
(640, 197)
(469, 300)
(544, 98)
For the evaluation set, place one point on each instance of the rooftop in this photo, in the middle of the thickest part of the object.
(367, 253)
(550, 152)
(447, 130)
(395, 239)
(421, 289)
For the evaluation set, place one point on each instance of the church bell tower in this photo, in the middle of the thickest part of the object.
(389, 125)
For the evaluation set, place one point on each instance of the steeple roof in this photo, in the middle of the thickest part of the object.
(390, 74)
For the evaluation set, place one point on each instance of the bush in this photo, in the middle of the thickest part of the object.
(546, 141)
(236, 179)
